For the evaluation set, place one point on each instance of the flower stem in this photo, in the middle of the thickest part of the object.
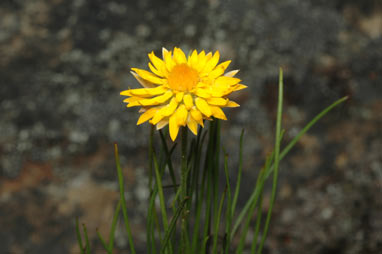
(183, 186)
(184, 163)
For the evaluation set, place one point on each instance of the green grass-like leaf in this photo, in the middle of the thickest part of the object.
(228, 215)
(122, 194)
(79, 238)
(103, 242)
(172, 225)
(217, 223)
(87, 247)
(284, 152)
(238, 181)
(276, 161)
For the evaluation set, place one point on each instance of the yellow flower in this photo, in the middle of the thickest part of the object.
(182, 90)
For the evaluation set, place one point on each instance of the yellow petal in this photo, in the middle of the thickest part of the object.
(181, 115)
(203, 106)
(226, 92)
(133, 104)
(142, 81)
(170, 108)
(200, 92)
(203, 84)
(202, 60)
(132, 99)
(210, 65)
(173, 127)
(147, 115)
(219, 70)
(188, 101)
(193, 59)
(158, 64)
(224, 80)
(218, 113)
(208, 56)
(155, 71)
(201, 56)
(148, 76)
(192, 125)
(197, 116)
(232, 104)
(179, 96)
(145, 92)
(157, 118)
(239, 87)
(168, 60)
(220, 91)
(179, 56)
(217, 101)
(156, 100)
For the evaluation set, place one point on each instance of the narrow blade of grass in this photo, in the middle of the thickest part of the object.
(238, 181)
(217, 223)
(254, 196)
(168, 156)
(268, 163)
(113, 225)
(161, 195)
(79, 238)
(198, 208)
(257, 226)
(104, 244)
(184, 176)
(87, 247)
(276, 162)
(196, 170)
(122, 197)
(215, 178)
(292, 143)
(199, 188)
(284, 152)
(207, 221)
(151, 216)
(228, 216)
(172, 225)
(259, 186)
(161, 198)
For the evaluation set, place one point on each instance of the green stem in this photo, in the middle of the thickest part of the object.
(276, 163)
(168, 156)
(183, 186)
(151, 152)
(184, 163)
(227, 237)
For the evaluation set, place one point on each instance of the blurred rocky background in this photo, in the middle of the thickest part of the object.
(63, 64)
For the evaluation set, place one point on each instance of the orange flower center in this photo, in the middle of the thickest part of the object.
(183, 78)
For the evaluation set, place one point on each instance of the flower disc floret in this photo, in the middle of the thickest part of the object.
(183, 91)
(182, 78)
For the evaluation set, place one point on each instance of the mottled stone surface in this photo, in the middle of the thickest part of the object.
(63, 63)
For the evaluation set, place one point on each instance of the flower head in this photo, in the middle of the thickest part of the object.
(183, 91)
